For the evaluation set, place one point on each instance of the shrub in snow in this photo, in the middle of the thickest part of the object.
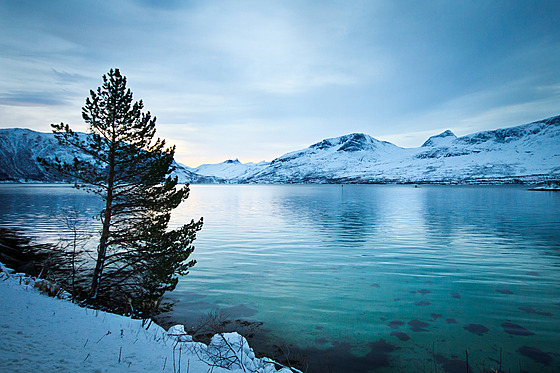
(44, 286)
(230, 350)
(48, 287)
(4, 269)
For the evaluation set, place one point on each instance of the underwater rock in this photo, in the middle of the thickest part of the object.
(436, 316)
(395, 324)
(400, 335)
(451, 321)
(422, 303)
(418, 326)
(453, 365)
(456, 295)
(534, 311)
(424, 291)
(380, 352)
(240, 310)
(476, 329)
(515, 329)
(536, 354)
(504, 291)
(340, 358)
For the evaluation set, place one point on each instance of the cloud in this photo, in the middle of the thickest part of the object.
(31, 99)
(272, 49)
(280, 72)
(67, 77)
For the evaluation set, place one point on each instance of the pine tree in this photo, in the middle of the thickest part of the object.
(138, 257)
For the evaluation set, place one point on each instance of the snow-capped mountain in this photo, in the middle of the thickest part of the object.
(186, 176)
(231, 170)
(445, 138)
(19, 149)
(327, 161)
(525, 153)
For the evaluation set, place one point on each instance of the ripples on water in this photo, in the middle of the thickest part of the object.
(434, 267)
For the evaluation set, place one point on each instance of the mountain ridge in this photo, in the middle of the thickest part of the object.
(20, 148)
(524, 153)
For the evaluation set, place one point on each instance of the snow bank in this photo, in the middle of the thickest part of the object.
(41, 333)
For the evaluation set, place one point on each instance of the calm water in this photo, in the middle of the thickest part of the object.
(368, 275)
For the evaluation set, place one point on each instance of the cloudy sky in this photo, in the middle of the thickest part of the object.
(256, 79)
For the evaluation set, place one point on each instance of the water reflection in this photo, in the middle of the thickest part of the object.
(492, 216)
(325, 265)
(39, 209)
(348, 216)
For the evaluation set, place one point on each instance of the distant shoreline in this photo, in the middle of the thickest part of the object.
(538, 181)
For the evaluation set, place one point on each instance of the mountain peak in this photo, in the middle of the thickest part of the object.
(442, 139)
(349, 143)
(356, 142)
(232, 161)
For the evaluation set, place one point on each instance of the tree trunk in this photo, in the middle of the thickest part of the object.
(102, 249)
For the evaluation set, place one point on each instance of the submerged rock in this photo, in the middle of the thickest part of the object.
(240, 310)
(515, 329)
(504, 291)
(400, 335)
(536, 354)
(453, 365)
(418, 326)
(338, 357)
(395, 324)
(476, 329)
(534, 311)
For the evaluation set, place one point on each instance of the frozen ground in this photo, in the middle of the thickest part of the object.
(44, 334)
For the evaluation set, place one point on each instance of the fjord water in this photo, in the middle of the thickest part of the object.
(379, 276)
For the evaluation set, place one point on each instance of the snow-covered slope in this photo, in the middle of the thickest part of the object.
(19, 149)
(445, 138)
(186, 175)
(528, 152)
(231, 170)
(43, 334)
(327, 161)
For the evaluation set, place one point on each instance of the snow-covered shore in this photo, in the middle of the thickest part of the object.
(45, 334)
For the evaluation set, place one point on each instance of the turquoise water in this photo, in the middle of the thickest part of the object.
(393, 276)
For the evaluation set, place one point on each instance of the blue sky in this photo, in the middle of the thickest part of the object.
(256, 79)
